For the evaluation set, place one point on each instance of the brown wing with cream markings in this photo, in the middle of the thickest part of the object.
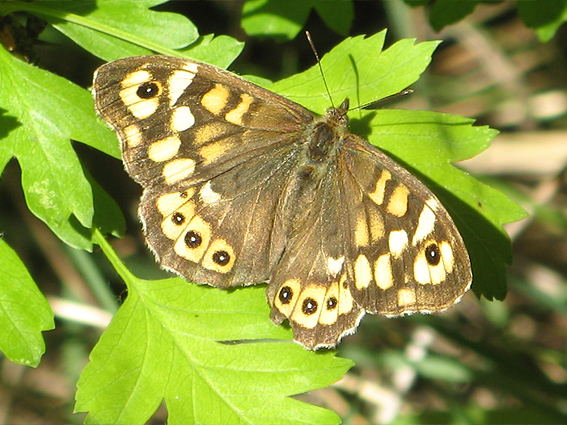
(379, 242)
(241, 183)
(201, 141)
(311, 285)
(410, 255)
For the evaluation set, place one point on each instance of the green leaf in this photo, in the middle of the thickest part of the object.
(24, 312)
(425, 142)
(284, 20)
(361, 76)
(113, 29)
(168, 348)
(220, 51)
(337, 14)
(275, 18)
(108, 216)
(87, 23)
(50, 111)
(448, 12)
(543, 16)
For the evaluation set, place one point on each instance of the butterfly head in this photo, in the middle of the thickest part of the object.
(338, 116)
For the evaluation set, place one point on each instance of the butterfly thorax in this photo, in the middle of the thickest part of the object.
(325, 135)
(321, 143)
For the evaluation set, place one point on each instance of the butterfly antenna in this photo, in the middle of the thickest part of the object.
(376, 104)
(308, 35)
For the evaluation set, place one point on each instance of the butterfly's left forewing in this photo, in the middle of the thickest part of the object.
(213, 153)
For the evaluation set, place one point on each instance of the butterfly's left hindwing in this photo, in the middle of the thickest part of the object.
(242, 185)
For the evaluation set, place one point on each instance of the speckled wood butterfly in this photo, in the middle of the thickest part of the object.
(242, 185)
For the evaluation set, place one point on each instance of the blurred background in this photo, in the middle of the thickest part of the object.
(482, 362)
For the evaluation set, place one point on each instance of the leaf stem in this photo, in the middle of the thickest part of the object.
(111, 255)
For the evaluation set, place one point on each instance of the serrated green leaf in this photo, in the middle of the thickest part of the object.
(161, 347)
(85, 23)
(24, 312)
(351, 71)
(50, 111)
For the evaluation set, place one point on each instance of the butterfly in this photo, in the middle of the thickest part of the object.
(242, 185)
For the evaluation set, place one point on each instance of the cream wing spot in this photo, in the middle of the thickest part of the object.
(330, 310)
(383, 272)
(421, 269)
(398, 202)
(362, 272)
(308, 308)
(346, 302)
(208, 195)
(139, 107)
(173, 225)
(235, 116)
(178, 169)
(433, 204)
(164, 149)
(398, 242)
(213, 151)
(377, 195)
(437, 273)
(335, 265)
(193, 244)
(182, 119)
(206, 132)
(168, 203)
(361, 236)
(287, 296)
(215, 99)
(132, 135)
(429, 272)
(178, 83)
(376, 225)
(134, 79)
(219, 257)
(425, 225)
(406, 297)
(191, 67)
(447, 256)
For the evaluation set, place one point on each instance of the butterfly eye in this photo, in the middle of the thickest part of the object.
(222, 258)
(432, 254)
(147, 90)
(309, 306)
(193, 239)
